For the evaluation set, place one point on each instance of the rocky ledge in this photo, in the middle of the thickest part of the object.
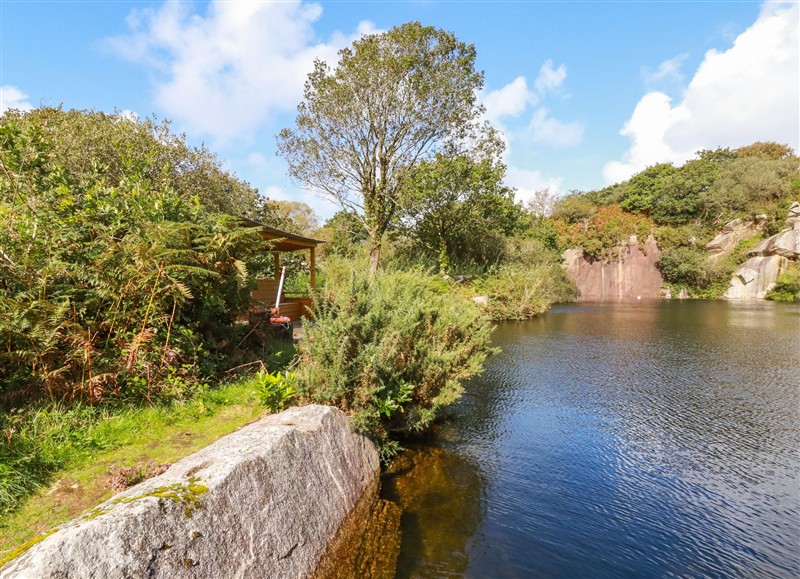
(767, 260)
(265, 501)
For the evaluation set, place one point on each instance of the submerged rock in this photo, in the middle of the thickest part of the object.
(265, 501)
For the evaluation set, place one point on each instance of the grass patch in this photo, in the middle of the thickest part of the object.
(55, 465)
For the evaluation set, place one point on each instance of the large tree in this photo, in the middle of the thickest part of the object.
(459, 206)
(393, 100)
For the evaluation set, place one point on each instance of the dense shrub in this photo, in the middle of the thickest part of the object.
(392, 351)
(787, 289)
(690, 266)
(90, 147)
(609, 228)
(109, 289)
(517, 292)
(573, 208)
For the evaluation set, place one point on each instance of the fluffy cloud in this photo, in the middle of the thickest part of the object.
(552, 132)
(510, 100)
(13, 98)
(514, 98)
(550, 78)
(744, 94)
(227, 72)
(527, 182)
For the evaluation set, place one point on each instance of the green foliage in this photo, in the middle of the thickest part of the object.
(751, 184)
(605, 232)
(787, 288)
(766, 150)
(275, 389)
(639, 194)
(574, 208)
(544, 231)
(292, 216)
(95, 148)
(684, 206)
(684, 266)
(680, 196)
(517, 292)
(43, 438)
(106, 290)
(343, 233)
(456, 202)
(394, 99)
(691, 267)
(393, 351)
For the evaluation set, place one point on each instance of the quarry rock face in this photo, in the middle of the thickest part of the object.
(767, 260)
(632, 275)
(265, 501)
(732, 233)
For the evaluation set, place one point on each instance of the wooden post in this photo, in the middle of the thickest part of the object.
(276, 256)
(313, 270)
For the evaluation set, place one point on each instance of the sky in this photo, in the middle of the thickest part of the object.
(586, 93)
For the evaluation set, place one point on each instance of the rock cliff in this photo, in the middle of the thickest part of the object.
(265, 501)
(767, 260)
(632, 275)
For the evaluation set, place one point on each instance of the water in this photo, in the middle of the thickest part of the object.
(618, 440)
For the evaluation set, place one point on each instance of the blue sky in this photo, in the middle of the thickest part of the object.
(586, 93)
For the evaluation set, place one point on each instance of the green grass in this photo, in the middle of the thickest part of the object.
(54, 460)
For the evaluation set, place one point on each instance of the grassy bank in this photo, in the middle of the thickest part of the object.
(69, 454)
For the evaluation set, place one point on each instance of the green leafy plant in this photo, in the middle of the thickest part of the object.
(392, 350)
(787, 288)
(112, 285)
(517, 292)
(275, 389)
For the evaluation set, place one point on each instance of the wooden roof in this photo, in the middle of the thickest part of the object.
(283, 240)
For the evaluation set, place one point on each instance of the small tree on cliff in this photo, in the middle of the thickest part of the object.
(393, 100)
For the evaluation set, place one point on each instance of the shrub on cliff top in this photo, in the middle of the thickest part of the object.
(391, 351)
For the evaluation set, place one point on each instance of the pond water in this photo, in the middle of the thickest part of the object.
(654, 439)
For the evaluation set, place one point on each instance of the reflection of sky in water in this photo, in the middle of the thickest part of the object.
(633, 440)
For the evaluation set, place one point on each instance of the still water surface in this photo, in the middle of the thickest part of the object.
(617, 440)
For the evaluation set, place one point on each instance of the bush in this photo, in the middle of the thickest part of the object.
(517, 292)
(391, 351)
(609, 228)
(690, 266)
(275, 389)
(787, 289)
(109, 289)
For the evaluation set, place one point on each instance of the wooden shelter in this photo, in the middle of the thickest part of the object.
(266, 291)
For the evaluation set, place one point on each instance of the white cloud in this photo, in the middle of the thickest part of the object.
(527, 182)
(549, 131)
(646, 128)
(13, 98)
(514, 99)
(668, 71)
(550, 78)
(748, 93)
(228, 71)
(509, 101)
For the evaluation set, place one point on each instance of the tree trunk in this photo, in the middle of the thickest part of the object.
(374, 252)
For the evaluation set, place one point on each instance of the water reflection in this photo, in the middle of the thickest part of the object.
(440, 493)
(625, 440)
